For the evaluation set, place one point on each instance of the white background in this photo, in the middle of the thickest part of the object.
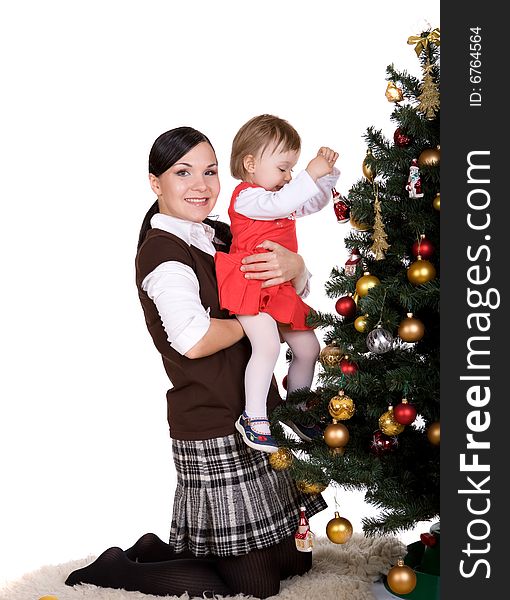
(84, 451)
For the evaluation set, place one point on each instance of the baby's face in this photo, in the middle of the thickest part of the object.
(273, 169)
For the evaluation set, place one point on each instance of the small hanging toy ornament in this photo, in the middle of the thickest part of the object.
(346, 307)
(303, 537)
(361, 323)
(310, 487)
(347, 366)
(400, 139)
(367, 168)
(281, 459)
(411, 329)
(421, 271)
(429, 97)
(388, 425)
(423, 247)
(436, 203)
(331, 355)
(339, 529)
(404, 413)
(336, 436)
(379, 236)
(434, 433)
(401, 579)
(352, 262)
(382, 444)
(379, 340)
(340, 207)
(430, 157)
(365, 283)
(393, 93)
(414, 181)
(341, 407)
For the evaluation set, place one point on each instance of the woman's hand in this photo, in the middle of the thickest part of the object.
(276, 266)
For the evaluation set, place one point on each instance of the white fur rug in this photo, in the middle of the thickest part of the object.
(339, 572)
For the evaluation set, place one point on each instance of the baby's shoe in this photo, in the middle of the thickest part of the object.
(257, 441)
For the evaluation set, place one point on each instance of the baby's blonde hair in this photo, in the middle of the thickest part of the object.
(256, 135)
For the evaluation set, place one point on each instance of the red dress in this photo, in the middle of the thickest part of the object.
(243, 296)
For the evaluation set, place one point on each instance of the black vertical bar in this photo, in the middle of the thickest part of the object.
(474, 270)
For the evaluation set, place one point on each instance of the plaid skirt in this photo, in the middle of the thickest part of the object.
(229, 500)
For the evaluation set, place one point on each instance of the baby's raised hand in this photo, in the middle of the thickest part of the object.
(323, 163)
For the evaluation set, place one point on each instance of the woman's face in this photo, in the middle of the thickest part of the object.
(189, 188)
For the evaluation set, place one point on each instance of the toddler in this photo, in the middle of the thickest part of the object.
(264, 207)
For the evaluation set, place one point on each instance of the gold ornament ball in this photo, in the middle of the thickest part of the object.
(401, 578)
(430, 157)
(433, 433)
(393, 93)
(421, 271)
(411, 329)
(330, 355)
(361, 323)
(357, 224)
(281, 459)
(436, 203)
(388, 425)
(366, 168)
(341, 407)
(339, 530)
(336, 435)
(366, 282)
(308, 487)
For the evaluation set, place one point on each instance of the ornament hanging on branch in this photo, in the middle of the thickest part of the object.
(423, 247)
(367, 168)
(393, 93)
(352, 262)
(341, 407)
(346, 307)
(379, 236)
(310, 487)
(429, 98)
(341, 207)
(400, 139)
(430, 157)
(361, 323)
(365, 283)
(379, 340)
(436, 203)
(421, 271)
(411, 329)
(347, 366)
(434, 433)
(382, 443)
(330, 355)
(422, 41)
(404, 413)
(388, 424)
(281, 459)
(414, 181)
(304, 537)
(358, 224)
(339, 529)
(336, 436)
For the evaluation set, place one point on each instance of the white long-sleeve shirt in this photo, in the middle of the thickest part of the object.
(175, 289)
(301, 196)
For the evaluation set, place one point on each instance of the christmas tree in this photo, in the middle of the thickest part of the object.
(377, 396)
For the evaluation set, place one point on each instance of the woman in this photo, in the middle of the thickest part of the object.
(234, 516)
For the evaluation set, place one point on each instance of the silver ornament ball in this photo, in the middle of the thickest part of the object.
(379, 340)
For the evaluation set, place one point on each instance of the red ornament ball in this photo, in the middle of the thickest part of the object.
(284, 382)
(423, 248)
(348, 367)
(382, 443)
(401, 139)
(404, 413)
(346, 307)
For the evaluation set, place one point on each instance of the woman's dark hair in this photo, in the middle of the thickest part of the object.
(168, 148)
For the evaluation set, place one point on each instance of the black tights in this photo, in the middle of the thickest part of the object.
(152, 567)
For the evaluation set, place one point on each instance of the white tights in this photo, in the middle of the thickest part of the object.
(264, 335)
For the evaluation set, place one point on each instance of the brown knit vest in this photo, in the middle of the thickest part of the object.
(208, 393)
